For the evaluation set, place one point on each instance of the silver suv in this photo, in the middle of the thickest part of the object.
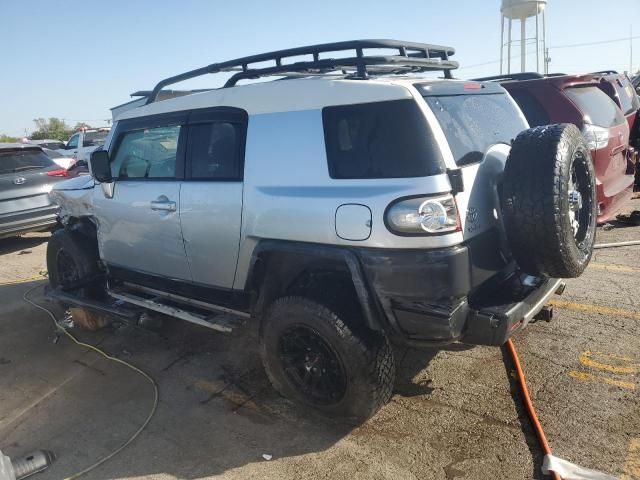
(350, 204)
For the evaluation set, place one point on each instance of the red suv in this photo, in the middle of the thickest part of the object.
(588, 102)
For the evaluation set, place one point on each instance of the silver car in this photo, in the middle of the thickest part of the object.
(352, 204)
(26, 178)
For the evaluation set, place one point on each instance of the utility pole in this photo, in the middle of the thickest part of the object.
(547, 61)
(630, 49)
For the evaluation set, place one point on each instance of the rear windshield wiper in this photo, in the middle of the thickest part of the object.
(27, 167)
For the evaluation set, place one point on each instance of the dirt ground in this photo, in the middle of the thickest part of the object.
(454, 414)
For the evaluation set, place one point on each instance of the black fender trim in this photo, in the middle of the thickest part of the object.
(309, 252)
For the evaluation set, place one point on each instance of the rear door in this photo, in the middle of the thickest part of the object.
(211, 195)
(479, 122)
(139, 225)
(24, 181)
(607, 132)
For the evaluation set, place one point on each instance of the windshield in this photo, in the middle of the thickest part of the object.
(472, 123)
(94, 139)
(597, 107)
(20, 161)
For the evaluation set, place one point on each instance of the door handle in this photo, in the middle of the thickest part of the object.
(163, 205)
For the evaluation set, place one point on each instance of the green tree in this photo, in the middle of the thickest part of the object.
(8, 139)
(54, 128)
(81, 125)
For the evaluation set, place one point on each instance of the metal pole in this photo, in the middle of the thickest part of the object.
(523, 49)
(537, 44)
(544, 43)
(630, 50)
(509, 48)
(501, 42)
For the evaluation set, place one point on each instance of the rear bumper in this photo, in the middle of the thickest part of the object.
(17, 223)
(465, 293)
(609, 206)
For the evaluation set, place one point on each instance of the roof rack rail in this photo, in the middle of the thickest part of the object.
(606, 72)
(510, 76)
(411, 57)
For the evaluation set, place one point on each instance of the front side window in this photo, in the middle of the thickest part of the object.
(73, 141)
(380, 140)
(472, 123)
(148, 153)
(596, 106)
(214, 151)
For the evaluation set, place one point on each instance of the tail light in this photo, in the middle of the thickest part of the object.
(423, 215)
(595, 137)
(58, 172)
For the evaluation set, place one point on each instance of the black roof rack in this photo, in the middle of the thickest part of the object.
(510, 76)
(411, 57)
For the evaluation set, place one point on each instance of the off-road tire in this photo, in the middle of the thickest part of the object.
(366, 357)
(81, 250)
(535, 201)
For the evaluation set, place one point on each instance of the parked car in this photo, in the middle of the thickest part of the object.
(342, 211)
(47, 143)
(26, 177)
(72, 167)
(82, 143)
(580, 99)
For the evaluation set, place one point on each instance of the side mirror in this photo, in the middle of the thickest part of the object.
(100, 166)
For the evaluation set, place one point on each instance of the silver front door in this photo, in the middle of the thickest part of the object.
(139, 226)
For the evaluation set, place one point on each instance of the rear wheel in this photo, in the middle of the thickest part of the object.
(549, 201)
(312, 356)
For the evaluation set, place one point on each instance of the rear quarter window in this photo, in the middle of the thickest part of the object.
(380, 140)
(628, 98)
(533, 110)
(472, 123)
(596, 106)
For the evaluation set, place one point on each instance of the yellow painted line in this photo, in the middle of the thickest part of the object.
(614, 267)
(586, 307)
(588, 360)
(632, 463)
(584, 376)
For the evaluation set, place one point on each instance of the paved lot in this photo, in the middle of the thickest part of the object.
(453, 415)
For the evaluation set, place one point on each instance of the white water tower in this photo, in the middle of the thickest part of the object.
(522, 11)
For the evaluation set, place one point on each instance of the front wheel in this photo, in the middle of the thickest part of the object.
(70, 260)
(313, 357)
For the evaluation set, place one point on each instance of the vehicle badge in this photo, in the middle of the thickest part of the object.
(19, 180)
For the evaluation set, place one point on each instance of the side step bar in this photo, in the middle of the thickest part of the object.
(194, 311)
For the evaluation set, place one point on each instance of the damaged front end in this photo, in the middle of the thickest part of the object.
(75, 198)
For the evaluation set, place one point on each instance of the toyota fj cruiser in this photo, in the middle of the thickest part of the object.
(349, 204)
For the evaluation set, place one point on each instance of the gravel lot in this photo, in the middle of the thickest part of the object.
(454, 414)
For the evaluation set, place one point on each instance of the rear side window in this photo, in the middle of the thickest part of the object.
(533, 110)
(21, 161)
(380, 140)
(472, 123)
(149, 153)
(214, 151)
(597, 107)
(94, 139)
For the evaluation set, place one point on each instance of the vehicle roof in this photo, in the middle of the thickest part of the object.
(292, 94)
(559, 80)
(19, 146)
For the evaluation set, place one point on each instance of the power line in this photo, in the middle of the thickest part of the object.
(601, 42)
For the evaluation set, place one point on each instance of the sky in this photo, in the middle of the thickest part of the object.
(75, 60)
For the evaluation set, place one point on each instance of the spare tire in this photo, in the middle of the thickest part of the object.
(549, 201)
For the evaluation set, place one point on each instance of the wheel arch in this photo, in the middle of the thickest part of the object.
(280, 267)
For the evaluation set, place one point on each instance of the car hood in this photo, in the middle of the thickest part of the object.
(75, 198)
